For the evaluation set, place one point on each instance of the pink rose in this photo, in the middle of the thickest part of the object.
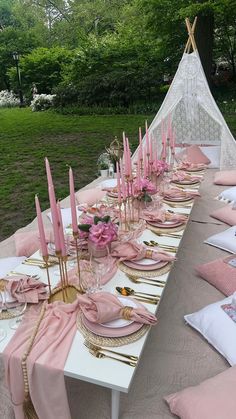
(103, 233)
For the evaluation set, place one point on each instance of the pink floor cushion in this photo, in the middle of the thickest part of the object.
(193, 154)
(212, 399)
(220, 273)
(226, 214)
(90, 196)
(225, 177)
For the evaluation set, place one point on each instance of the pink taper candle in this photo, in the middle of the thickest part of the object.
(61, 232)
(139, 175)
(118, 182)
(123, 186)
(140, 154)
(145, 164)
(129, 164)
(72, 202)
(43, 243)
(151, 148)
(48, 171)
(125, 155)
(147, 139)
(55, 221)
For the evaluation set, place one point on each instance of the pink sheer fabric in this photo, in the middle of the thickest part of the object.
(135, 251)
(30, 290)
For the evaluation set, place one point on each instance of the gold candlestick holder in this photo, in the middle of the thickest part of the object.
(46, 258)
(65, 292)
(76, 236)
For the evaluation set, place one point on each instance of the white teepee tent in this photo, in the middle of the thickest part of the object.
(189, 104)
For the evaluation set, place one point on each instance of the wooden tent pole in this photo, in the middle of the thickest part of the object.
(191, 40)
(191, 36)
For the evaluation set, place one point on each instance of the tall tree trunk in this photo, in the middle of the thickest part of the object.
(204, 36)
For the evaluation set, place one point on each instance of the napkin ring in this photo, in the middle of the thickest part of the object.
(126, 312)
(149, 254)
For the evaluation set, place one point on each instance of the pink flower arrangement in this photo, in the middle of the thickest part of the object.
(147, 189)
(100, 231)
(103, 233)
(159, 167)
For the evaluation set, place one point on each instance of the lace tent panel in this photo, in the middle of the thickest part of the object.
(228, 150)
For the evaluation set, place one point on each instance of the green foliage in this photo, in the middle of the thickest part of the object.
(43, 66)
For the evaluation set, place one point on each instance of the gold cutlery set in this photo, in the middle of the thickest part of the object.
(139, 296)
(100, 352)
(168, 248)
(40, 262)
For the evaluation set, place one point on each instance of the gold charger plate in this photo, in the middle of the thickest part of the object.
(179, 203)
(147, 274)
(106, 341)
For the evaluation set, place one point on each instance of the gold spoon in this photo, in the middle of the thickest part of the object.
(126, 291)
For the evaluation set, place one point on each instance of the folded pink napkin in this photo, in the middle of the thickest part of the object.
(29, 291)
(187, 165)
(160, 216)
(103, 307)
(131, 250)
(182, 176)
(177, 193)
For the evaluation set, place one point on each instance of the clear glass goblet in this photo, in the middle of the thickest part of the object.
(3, 332)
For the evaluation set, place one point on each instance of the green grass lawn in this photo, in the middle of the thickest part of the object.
(27, 137)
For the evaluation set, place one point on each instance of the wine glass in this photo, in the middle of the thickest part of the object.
(16, 309)
(100, 267)
(3, 332)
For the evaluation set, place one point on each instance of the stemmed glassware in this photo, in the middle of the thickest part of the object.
(100, 266)
(3, 332)
(18, 309)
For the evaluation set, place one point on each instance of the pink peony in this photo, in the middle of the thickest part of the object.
(159, 167)
(146, 187)
(103, 233)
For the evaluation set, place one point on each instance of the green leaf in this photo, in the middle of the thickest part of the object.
(84, 227)
(147, 198)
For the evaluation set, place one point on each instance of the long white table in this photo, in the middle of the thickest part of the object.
(80, 363)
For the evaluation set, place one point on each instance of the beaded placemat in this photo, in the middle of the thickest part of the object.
(146, 274)
(106, 341)
(166, 230)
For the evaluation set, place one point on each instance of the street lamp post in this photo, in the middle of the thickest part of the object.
(16, 59)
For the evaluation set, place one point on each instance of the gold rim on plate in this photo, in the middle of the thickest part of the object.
(112, 341)
(179, 203)
(147, 274)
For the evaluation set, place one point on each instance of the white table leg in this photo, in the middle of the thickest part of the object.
(115, 404)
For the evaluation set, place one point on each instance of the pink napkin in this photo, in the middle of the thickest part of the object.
(187, 165)
(103, 307)
(162, 216)
(181, 176)
(177, 193)
(131, 250)
(30, 290)
(46, 361)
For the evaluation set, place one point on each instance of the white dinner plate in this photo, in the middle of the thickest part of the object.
(121, 322)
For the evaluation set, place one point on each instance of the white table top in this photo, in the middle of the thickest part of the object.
(80, 363)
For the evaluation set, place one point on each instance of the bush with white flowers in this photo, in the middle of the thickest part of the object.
(8, 99)
(42, 102)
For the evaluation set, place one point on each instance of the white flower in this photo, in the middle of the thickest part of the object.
(8, 99)
(42, 102)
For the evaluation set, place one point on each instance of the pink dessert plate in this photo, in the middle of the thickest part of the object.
(166, 224)
(145, 264)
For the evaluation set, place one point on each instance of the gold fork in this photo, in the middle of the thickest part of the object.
(148, 281)
(93, 347)
(101, 355)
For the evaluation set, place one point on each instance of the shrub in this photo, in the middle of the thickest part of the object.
(42, 102)
(8, 99)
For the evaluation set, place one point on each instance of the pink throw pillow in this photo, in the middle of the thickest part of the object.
(214, 398)
(220, 274)
(89, 196)
(226, 214)
(193, 154)
(27, 243)
(225, 177)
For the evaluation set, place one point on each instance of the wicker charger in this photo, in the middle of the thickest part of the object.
(106, 341)
(147, 274)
